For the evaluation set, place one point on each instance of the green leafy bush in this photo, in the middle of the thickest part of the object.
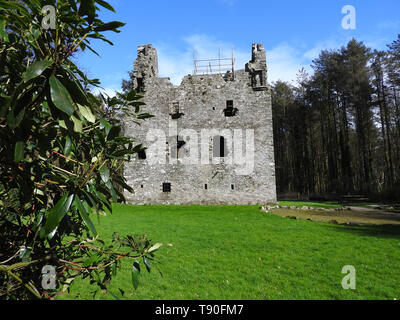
(62, 152)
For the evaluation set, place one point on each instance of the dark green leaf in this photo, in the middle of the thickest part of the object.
(105, 173)
(72, 4)
(144, 116)
(87, 8)
(121, 181)
(114, 269)
(105, 5)
(89, 261)
(38, 220)
(15, 5)
(19, 151)
(56, 214)
(132, 95)
(3, 33)
(60, 96)
(103, 196)
(68, 146)
(14, 121)
(147, 264)
(135, 274)
(104, 124)
(112, 190)
(25, 255)
(85, 216)
(72, 84)
(114, 132)
(4, 104)
(109, 26)
(36, 69)
(93, 203)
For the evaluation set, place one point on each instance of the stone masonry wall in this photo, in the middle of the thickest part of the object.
(199, 103)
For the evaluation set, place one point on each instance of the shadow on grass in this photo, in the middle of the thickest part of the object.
(385, 231)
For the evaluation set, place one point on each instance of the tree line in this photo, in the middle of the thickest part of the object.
(337, 131)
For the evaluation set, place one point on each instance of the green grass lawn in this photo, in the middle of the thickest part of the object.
(237, 252)
(300, 204)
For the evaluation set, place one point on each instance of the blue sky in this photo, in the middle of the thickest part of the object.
(292, 31)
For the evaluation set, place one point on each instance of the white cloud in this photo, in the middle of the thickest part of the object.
(173, 64)
(284, 61)
(176, 64)
(314, 52)
(111, 92)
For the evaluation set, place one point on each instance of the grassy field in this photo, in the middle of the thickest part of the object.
(300, 204)
(240, 253)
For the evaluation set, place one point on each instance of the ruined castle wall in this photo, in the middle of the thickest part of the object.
(202, 100)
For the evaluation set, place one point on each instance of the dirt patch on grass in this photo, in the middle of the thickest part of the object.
(352, 216)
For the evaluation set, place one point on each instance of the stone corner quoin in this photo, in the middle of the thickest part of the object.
(211, 139)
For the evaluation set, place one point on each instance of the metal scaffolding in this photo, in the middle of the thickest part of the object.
(214, 66)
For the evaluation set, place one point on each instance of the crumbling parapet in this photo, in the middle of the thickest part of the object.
(145, 66)
(257, 67)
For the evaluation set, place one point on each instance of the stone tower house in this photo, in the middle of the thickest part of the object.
(211, 138)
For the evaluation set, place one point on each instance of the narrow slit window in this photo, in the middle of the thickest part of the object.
(206, 186)
(222, 147)
(233, 187)
(219, 147)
